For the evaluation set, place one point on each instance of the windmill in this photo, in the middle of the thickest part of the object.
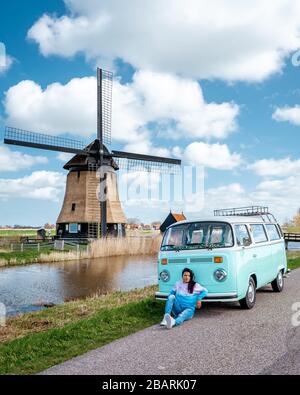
(84, 215)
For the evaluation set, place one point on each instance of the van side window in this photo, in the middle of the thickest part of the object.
(280, 231)
(272, 232)
(242, 235)
(258, 233)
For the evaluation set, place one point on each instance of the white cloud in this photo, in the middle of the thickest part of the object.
(174, 105)
(64, 156)
(282, 196)
(57, 109)
(42, 185)
(5, 63)
(178, 105)
(224, 196)
(213, 156)
(138, 184)
(275, 167)
(5, 60)
(15, 161)
(231, 40)
(287, 114)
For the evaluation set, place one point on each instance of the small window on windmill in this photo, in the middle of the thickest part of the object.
(73, 206)
(73, 228)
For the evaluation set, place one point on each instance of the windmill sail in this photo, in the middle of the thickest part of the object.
(24, 138)
(140, 162)
(104, 107)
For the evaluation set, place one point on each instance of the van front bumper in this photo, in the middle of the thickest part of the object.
(225, 297)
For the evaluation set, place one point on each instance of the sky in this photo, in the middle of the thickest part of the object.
(215, 84)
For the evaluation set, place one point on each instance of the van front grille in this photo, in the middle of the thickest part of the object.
(201, 260)
(177, 260)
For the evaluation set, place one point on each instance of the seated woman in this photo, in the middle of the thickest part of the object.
(185, 296)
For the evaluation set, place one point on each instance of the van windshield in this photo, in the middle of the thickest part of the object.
(198, 235)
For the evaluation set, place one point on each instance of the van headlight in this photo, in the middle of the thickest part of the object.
(220, 275)
(165, 276)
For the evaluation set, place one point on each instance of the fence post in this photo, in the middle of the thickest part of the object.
(22, 247)
(38, 247)
(11, 247)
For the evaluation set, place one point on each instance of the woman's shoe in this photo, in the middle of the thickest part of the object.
(170, 321)
(164, 322)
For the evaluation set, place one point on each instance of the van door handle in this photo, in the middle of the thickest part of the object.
(254, 255)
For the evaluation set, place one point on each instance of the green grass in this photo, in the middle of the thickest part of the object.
(29, 256)
(294, 263)
(291, 229)
(21, 232)
(293, 259)
(39, 351)
(16, 258)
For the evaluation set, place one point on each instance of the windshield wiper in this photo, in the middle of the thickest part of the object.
(210, 246)
(170, 246)
(173, 246)
(200, 245)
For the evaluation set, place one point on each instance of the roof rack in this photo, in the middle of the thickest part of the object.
(261, 211)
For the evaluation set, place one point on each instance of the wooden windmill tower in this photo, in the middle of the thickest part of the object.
(86, 213)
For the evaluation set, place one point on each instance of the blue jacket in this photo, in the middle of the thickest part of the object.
(184, 298)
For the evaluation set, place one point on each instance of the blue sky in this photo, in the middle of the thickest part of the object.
(217, 89)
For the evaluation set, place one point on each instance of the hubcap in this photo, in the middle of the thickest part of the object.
(251, 293)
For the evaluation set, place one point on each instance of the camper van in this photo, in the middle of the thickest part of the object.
(232, 254)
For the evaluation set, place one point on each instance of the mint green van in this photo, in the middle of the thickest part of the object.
(232, 254)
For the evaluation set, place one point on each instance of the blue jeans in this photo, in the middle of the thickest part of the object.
(180, 315)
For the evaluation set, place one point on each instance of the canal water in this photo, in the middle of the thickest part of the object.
(29, 288)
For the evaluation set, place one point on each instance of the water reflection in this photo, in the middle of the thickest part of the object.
(24, 288)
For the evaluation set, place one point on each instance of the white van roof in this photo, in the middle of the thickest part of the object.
(238, 219)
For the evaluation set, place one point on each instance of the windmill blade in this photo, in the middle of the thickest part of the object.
(25, 138)
(104, 104)
(139, 162)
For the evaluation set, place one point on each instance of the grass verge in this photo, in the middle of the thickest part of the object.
(20, 258)
(293, 259)
(37, 341)
(45, 255)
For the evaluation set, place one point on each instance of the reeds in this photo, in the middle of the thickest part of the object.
(102, 248)
(138, 245)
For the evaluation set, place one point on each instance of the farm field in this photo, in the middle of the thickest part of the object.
(21, 232)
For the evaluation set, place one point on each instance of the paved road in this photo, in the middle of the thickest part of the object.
(221, 339)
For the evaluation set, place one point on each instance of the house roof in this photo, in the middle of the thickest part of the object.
(179, 217)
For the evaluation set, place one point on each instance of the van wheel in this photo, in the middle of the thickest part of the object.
(278, 283)
(249, 301)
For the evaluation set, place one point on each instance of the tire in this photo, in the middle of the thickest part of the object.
(249, 301)
(278, 283)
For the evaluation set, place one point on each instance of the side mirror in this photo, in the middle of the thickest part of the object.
(246, 242)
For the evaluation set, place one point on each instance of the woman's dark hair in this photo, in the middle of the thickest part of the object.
(192, 281)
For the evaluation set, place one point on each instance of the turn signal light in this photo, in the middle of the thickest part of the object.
(218, 259)
(164, 261)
